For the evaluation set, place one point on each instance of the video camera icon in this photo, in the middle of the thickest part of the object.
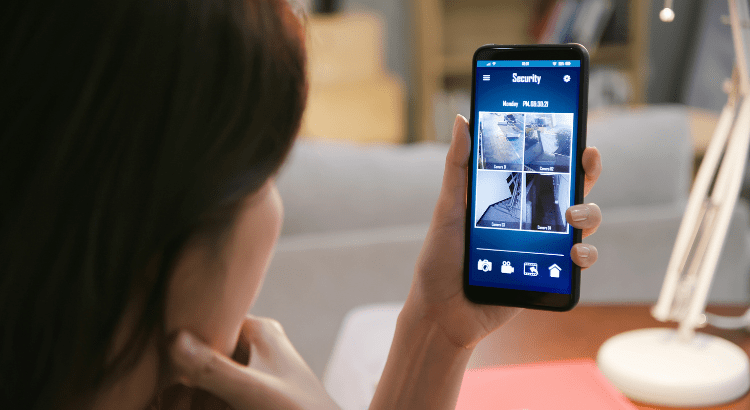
(507, 267)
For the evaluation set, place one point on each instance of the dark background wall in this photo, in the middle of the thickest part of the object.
(671, 48)
(712, 60)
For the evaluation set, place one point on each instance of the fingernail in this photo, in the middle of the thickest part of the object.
(456, 124)
(579, 213)
(583, 251)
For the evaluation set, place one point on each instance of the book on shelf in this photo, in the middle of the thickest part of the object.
(574, 21)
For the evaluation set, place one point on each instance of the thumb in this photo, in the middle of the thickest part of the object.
(201, 366)
(451, 205)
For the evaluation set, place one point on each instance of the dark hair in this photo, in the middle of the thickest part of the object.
(126, 128)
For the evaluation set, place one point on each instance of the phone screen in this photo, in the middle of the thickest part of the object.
(525, 121)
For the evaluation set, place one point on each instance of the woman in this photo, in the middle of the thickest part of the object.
(138, 149)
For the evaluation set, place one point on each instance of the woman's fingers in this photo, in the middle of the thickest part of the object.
(239, 386)
(586, 217)
(584, 254)
(273, 352)
(458, 152)
(451, 206)
(277, 376)
(209, 370)
(592, 166)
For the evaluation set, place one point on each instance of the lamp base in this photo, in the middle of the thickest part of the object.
(655, 366)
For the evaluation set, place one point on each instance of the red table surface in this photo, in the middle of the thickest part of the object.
(537, 336)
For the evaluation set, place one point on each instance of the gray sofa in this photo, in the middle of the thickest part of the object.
(356, 217)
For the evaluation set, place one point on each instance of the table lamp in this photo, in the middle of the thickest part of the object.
(681, 367)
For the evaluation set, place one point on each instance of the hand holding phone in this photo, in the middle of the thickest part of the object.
(528, 129)
(437, 288)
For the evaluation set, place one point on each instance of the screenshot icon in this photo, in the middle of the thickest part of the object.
(530, 269)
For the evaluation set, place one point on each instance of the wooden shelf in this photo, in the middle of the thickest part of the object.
(457, 64)
(447, 32)
(618, 54)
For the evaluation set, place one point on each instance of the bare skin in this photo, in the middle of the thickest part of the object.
(436, 332)
(206, 298)
(438, 327)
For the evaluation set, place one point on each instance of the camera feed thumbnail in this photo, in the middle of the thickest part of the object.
(547, 199)
(548, 142)
(501, 141)
(498, 199)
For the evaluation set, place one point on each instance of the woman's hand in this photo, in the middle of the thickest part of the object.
(437, 289)
(277, 377)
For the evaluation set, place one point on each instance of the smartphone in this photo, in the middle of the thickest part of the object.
(528, 131)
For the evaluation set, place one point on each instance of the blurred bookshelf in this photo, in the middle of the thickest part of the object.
(446, 33)
(352, 95)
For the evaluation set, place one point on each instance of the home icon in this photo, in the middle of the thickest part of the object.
(554, 271)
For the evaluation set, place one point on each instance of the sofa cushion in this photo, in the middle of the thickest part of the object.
(646, 156)
(338, 186)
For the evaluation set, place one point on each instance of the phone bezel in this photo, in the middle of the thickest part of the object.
(514, 297)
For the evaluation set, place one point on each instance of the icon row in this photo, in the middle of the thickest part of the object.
(517, 141)
(529, 268)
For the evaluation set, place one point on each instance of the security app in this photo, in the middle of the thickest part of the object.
(525, 124)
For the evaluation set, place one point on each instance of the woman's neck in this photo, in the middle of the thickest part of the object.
(136, 389)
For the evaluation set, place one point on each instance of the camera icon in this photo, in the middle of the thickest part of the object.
(507, 268)
(484, 265)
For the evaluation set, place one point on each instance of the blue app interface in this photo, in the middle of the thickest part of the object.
(525, 125)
